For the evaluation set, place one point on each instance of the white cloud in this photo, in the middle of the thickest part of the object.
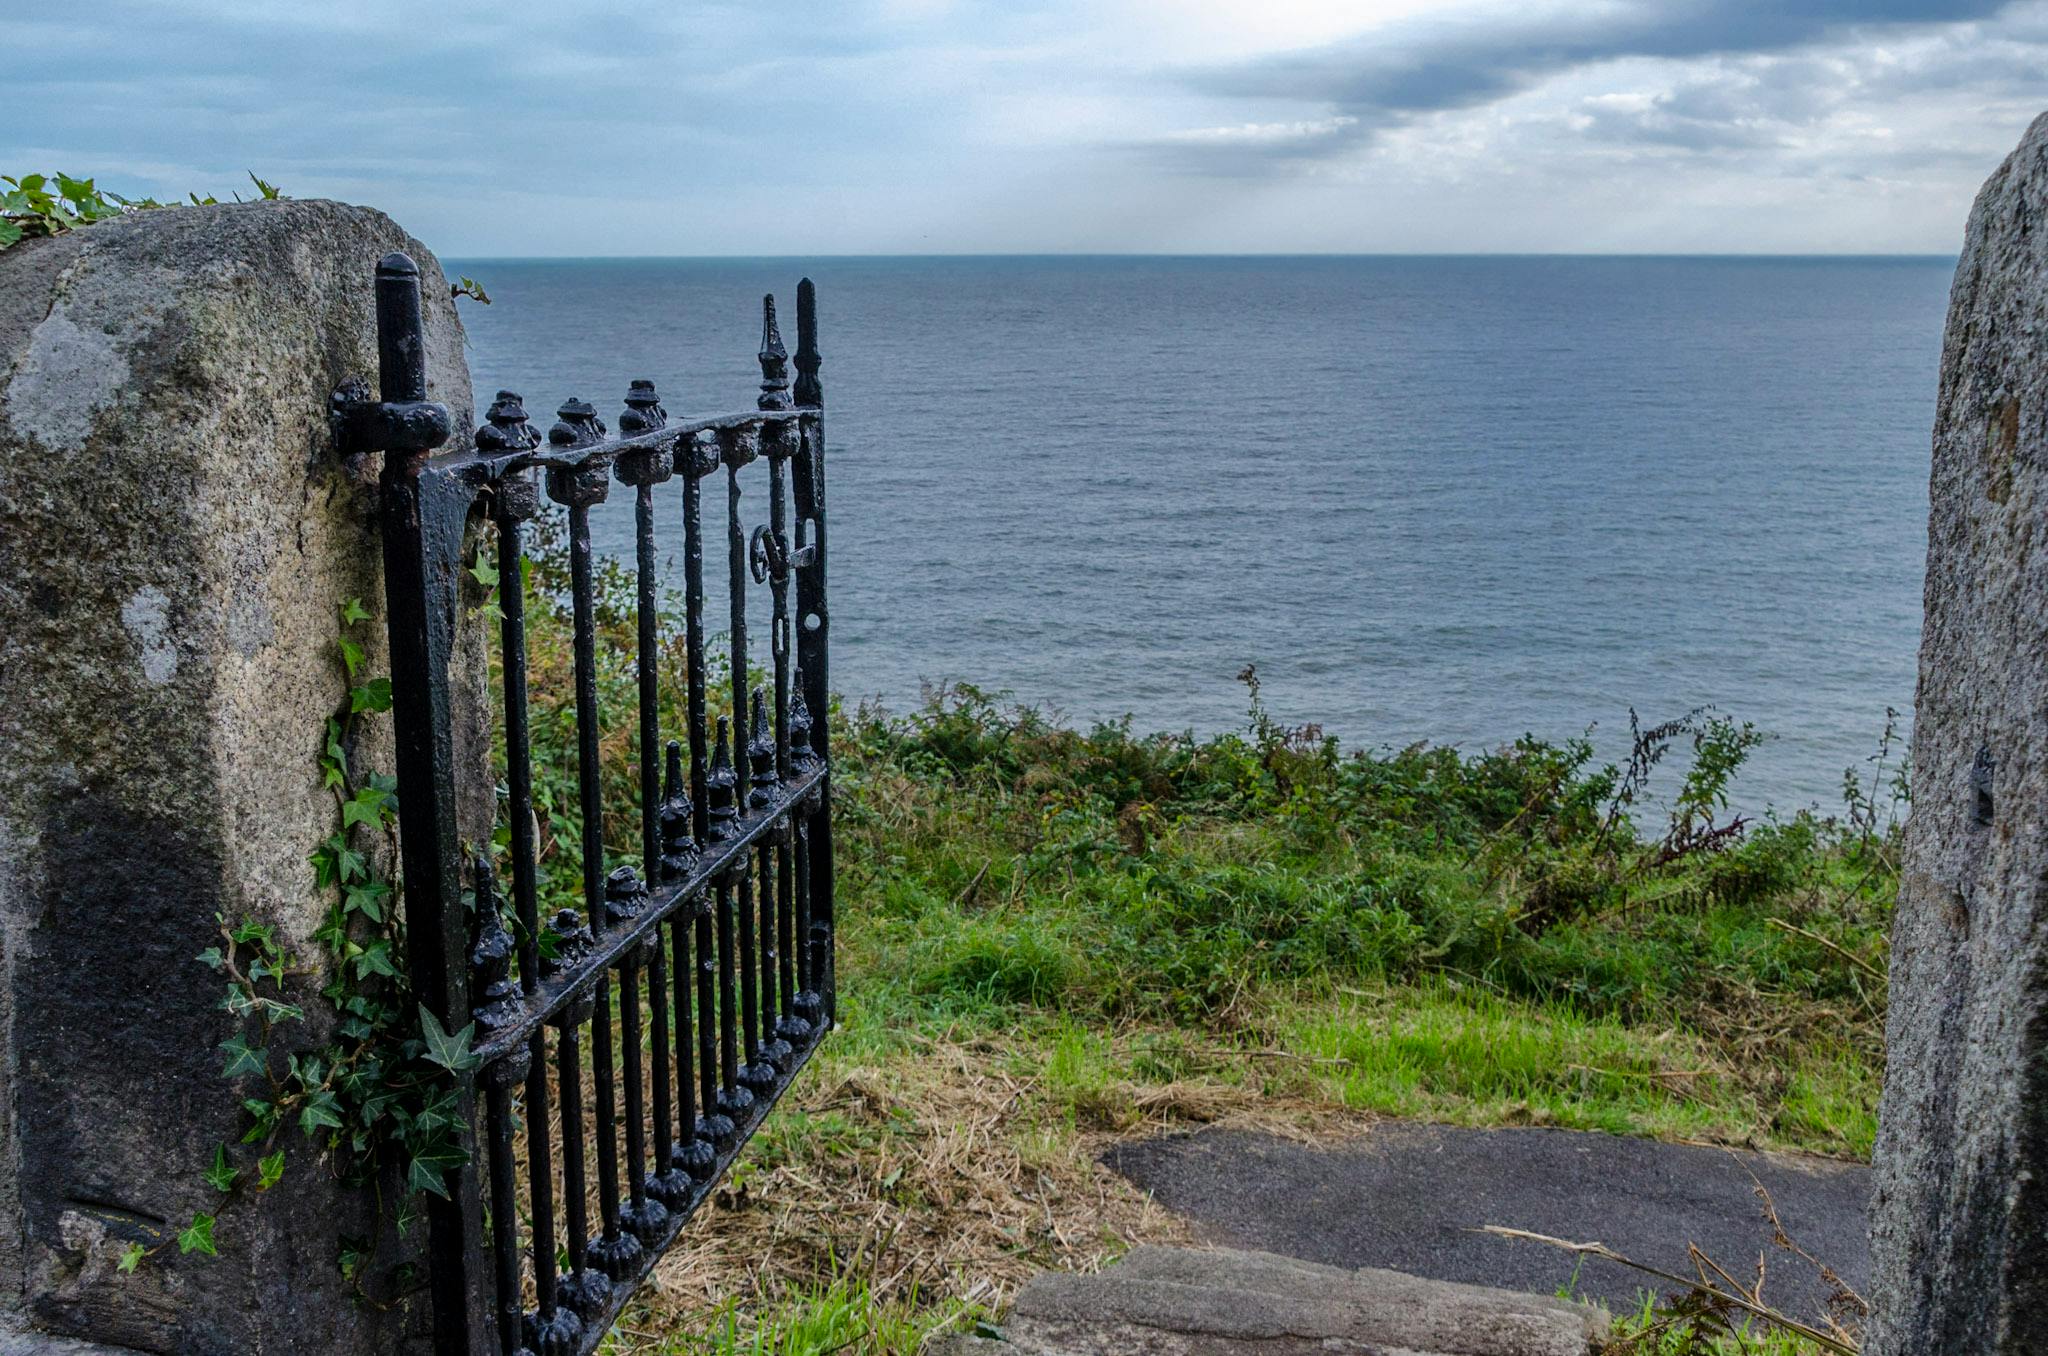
(523, 127)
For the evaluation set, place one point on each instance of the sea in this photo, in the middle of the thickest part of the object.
(1445, 499)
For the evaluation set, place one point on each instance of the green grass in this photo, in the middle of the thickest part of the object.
(839, 1315)
(1653, 1330)
(1132, 929)
(1481, 939)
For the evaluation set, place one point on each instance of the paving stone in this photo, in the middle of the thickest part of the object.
(1200, 1302)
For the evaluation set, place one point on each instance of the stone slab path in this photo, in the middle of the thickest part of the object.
(1191, 1302)
(1408, 1196)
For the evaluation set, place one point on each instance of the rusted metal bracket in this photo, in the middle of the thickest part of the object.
(410, 423)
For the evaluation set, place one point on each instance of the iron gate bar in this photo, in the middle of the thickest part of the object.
(734, 868)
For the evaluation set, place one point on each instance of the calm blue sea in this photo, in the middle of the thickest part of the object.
(1453, 499)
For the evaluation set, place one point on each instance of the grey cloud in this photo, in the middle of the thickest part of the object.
(1430, 65)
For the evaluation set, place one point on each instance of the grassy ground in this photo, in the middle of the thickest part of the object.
(1053, 938)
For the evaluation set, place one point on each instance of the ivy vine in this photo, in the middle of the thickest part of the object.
(377, 1090)
(51, 204)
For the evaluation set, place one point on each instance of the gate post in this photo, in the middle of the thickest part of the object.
(178, 540)
(423, 516)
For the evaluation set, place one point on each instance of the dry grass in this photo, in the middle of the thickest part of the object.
(944, 1180)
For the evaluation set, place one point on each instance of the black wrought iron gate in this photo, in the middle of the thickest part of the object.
(713, 953)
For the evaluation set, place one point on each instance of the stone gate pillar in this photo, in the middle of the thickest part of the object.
(176, 535)
(1959, 1227)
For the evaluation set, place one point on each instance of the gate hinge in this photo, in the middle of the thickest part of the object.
(361, 424)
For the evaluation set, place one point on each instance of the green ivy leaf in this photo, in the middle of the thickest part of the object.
(352, 612)
(221, 1176)
(375, 959)
(484, 572)
(131, 1257)
(243, 1058)
(199, 1237)
(374, 695)
(321, 1111)
(352, 865)
(366, 808)
(422, 1175)
(211, 958)
(351, 655)
(368, 900)
(450, 1052)
(9, 233)
(269, 1170)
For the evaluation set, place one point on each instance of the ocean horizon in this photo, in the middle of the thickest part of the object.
(1444, 498)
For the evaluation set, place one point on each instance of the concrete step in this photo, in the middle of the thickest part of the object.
(1202, 1302)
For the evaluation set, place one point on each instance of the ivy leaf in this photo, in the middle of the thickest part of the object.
(368, 900)
(350, 864)
(375, 959)
(269, 1171)
(9, 233)
(210, 958)
(366, 808)
(352, 612)
(243, 1058)
(484, 572)
(131, 1257)
(264, 1118)
(374, 695)
(423, 1175)
(432, 1157)
(321, 1111)
(221, 1176)
(199, 1237)
(351, 655)
(450, 1052)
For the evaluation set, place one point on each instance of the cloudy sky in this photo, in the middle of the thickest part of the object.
(912, 126)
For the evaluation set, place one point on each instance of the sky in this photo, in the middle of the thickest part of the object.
(951, 126)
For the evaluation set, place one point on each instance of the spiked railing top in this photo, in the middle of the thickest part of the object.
(650, 464)
(761, 752)
(675, 814)
(799, 721)
(493, 995)
(505, 428)
(721, 783)
(774, 361)
(624, 896)
(809, 392)
(577, 424)
(643, 409)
